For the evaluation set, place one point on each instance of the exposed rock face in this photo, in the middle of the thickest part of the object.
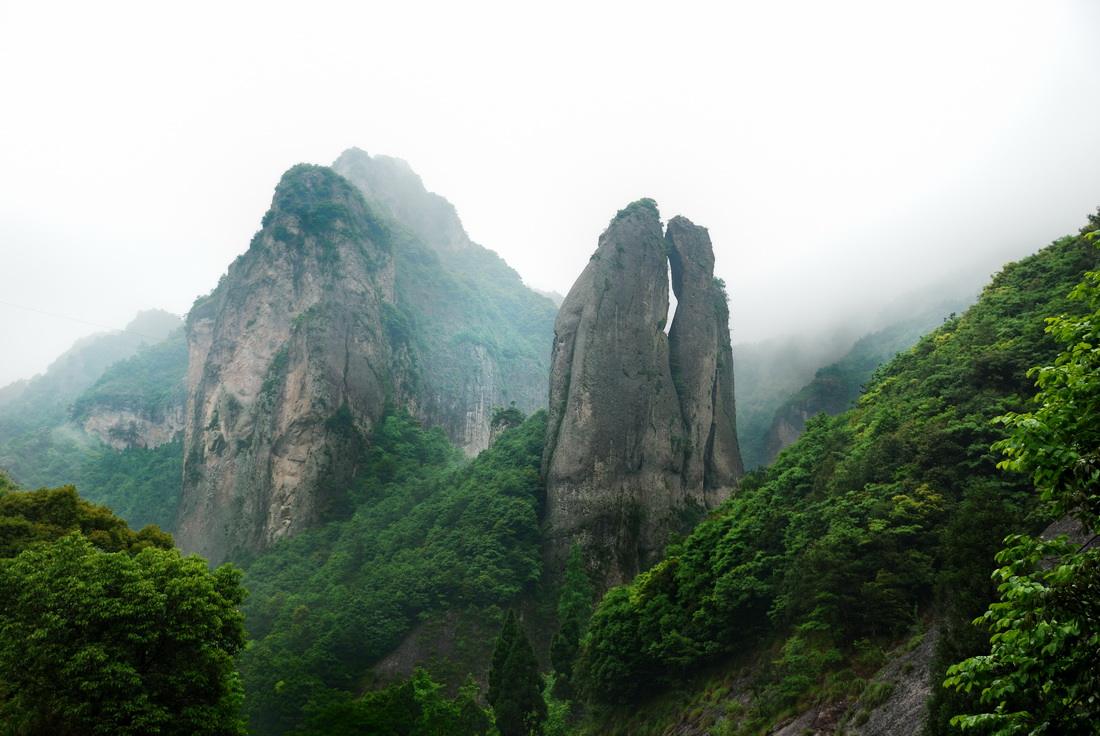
(288, 369)
(123, 428)
(354, 297)
(641, 438)
(483, 336)
(140, 401)
(702, 363)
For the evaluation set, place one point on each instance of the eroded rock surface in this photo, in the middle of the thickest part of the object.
(355, 297)
(641, 437)
(482, 337)
(288, 369)
(125, 428)
(702, 363)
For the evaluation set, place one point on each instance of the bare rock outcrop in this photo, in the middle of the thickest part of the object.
(358, 295)
(288, 369)
(124, 428)
(702, 363)
(641, 439)
(484, 337)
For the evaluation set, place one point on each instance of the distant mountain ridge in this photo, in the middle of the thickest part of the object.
(836, 387)
(772, 373)
(44, 400)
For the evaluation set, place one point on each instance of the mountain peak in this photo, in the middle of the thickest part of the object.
(391, 185)
(154, 324)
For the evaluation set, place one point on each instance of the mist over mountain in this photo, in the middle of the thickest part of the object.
(774, 373)
(363, 372)
(397, 441)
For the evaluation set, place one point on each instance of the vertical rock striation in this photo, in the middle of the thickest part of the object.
(702, 363)
(641, 437)
(288, 370)
(359, 294)
(481, 335)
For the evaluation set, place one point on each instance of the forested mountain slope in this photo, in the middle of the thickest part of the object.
(359, 294)
(436, 549)
(43, 401)
(105, 417)
(872, 524)
(836, 387)
(482, 338)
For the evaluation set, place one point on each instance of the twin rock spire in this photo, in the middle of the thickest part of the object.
(302, 347)
(641, 439)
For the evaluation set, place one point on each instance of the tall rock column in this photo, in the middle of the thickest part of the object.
(640, 441)
(702, 363)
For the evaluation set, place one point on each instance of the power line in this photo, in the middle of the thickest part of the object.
(76, 319)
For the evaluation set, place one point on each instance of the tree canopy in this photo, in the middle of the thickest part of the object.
(871, 521)
(1040, 675)
(107, 631)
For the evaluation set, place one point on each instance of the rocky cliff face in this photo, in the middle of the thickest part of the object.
(481, 337)
(140, 401)
(355, 296)
(641, 437)
(702, 363)
(288, 370)
(124, 428)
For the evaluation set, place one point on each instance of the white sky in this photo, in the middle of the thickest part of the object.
(839, 152)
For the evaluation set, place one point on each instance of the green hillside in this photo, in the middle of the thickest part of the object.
(430, 536)
(871, 523)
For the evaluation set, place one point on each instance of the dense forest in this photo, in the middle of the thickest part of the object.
(874, 525)
(423, 602)
(434, 545)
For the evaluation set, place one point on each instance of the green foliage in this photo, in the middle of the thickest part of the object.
(506, 639)
(142, 485)
(416, 707)
(858, 528)
(645, 204)
(558, 711)
(836, 387)
(1058, 444)
(323, 205)
(515, 687)
(1040, 675)
(108, 631)
(148, 383)
(506, 417)
(781, 384)
(429, 534)
(46, 515)
(574, 610)
(458, 308)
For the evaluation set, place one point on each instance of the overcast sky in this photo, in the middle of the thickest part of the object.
(839, 152)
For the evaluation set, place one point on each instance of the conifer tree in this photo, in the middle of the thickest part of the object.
(505, 640)
(515, 686)
(574, 610)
